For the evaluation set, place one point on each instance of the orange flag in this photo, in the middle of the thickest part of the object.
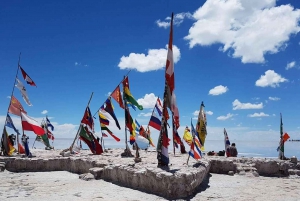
(285, 137)
(16, 107)
(116, 94)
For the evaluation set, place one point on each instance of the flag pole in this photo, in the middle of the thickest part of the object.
(113, 91)
(71, 147)
(173, 134)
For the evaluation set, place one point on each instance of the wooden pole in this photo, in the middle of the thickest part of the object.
(71, 147)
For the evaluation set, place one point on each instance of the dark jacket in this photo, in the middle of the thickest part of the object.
(233, 151)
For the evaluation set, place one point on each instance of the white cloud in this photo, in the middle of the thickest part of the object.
(223, 118)
(44, 112)
(196, 113)
(178, 19)
(237, 105)
(218, 90)
(77, 64)
(154, 60)
(290, 65)
(261, 114)
(148, 101)
(270, 78)
(142, 114)
(251, 28)
(209, 113)
(274, 98)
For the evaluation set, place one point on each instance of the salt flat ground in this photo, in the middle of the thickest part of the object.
(61, 185)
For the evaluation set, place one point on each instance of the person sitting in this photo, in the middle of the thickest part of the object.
(233, 151)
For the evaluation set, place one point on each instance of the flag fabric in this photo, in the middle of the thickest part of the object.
(103, 119)
(10, 124)
(90, 140)
(158, 107)
(163, 155)
(130, 125)
(50, 135)
(88, 119)
(27, 78)
(201, 126)
(49, 124)
(22, 89)
(187, 136)
(155, 122)
(30, 124)
(142, 142)
(109, 108)
(130, 105)
(104, 135)
(26, 146)
(149, 137)
(176, 137)
(285, 137)
(15, 107)
(131, 99)
(281, 141)
(137, 126)
(116, 94)
(6, 144)
(170, 63)
(104, 128)
(195, 151)
(227, 143)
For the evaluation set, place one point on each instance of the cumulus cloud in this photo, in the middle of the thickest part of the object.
(209, 113)
(223, 118)
(218, 90)
(271, 79)
(178, 19)
(44, 112)
(246, 27)
(274, 98)
(142, 114)
(154, 60)
(148, 101)
(261, 114)
(290, 65)
(237, 105)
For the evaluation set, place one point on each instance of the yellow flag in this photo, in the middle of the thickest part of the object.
(187, 136)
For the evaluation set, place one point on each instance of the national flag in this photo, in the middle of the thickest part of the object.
(88, 119)
(25, 144)
(175, 111)
(15, 107)
(30, 124)
(201, 125)
(285, 137)
(6, 145)
(155, 122)
(104, 135)
(27, 78)
(176, 136)
(104, 128)
(187, 136)
(109, 108)
(130, 125)
(103, 119)
(195, 151)
(149, 137)
(22, 89)
(49, 124)
(10, 124)
(128, 96)
(170, 63)
(163, 155)
(159, 107)
(137, 126)
(125, 82)
(90, 140)
(131, 105)
(227, 143)
(142, 142)
(50, 135)
(116, 94)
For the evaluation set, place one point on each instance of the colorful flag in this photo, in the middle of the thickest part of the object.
(49, 124)
(195, 151)
(128, 96)
(285, 137)
(50, 135)
(90, 140)
(201, 126)
(159, 107)
(176, 136)
(10, 124)
(30, 124)
(103, 119)
(227, 143)
(164, 147)
(104, 135)
(88, 119)
(130, 125)
(109, 108)
(104, 128)
(155, 122)
(170, 63)
(187, 136)
(22, 89)
(27, 78)
(130, 105)
(15, 107)
(116, 94)
(6, 145)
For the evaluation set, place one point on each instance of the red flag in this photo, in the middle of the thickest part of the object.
(27, 78)
(16, 107)
(87, 118)
(30, 124)
(104, 135)
(116, 94)
(50, 135)
(285, 137)
(170, 62)
(125, 82)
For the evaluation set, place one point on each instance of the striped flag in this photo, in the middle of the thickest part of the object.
(195, 151)
(22, 89)
(27, 78)
(227, 143)
(50, 135)
(10, 124)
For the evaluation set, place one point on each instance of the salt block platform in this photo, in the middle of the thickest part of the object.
(178, 181)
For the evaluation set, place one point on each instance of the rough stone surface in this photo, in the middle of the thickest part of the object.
(86, 176)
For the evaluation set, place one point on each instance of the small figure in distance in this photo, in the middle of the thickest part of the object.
(233, 151)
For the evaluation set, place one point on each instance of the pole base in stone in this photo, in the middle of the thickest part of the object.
(126, 153)
(137, 160)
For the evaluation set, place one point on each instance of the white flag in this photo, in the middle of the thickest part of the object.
(22, 89)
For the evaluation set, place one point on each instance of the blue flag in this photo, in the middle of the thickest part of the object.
(10, 124)
(49, 124)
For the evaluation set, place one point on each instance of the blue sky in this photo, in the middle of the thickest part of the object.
(240, 57)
